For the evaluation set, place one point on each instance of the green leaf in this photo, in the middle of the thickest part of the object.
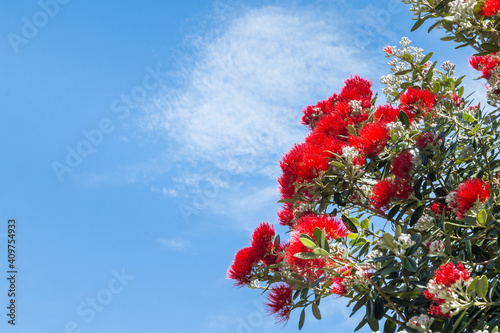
(410, 264)
(389, 240)
(468, 117)
(307, 241)
(321, 252)
(348, 223)
(389, 327)
(403, 117)
(365, 224)
(436, 87)
(337, 164)
(302, 318)
(417, 24)
(370, 311)
(417, 214)
(361, 324)
(489, 47)
(315, 311)
(482, 286)
(379, 309)
(482, 217)
(426, 58)
(394, 210)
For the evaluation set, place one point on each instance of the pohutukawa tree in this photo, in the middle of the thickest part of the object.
(424, 167)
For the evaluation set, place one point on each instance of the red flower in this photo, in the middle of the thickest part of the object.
(484, 64)
(387, 189)
(333, 226)
(386, 113)
(241, 269)
(401, 165)
(421, 99)
(286, 215)
(338, 287)
(357, 88)
(262, 239)
(447, 274)
(313, 113)
(491, 8)
(371, 140)
(280, 302)
(467, 194)
(387, 49)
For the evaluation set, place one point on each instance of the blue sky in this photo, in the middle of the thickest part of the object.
(141, 147)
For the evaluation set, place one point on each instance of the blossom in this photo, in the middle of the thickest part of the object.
(371, 140)
(467, 194)
(280, 302)
(262, 241)
(338, 287)
(484, 64)
(356, 88)
(286, 215)
(387, 189)
(386, 113)
(491, 8)
(241, 268)
(449, 273)
(334, 227)
(415, 98)
(442, 289)
(313, 113)
(401, 165)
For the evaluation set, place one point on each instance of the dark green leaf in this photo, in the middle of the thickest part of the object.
(302, 319)
(315, 311)
(410, 264)
(348, 223)
(394, 210)
(389, 327)
(379, 309)
(417, 214)
(417, 24)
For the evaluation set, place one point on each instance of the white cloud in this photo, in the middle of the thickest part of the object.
(176, 244)
(241, 100)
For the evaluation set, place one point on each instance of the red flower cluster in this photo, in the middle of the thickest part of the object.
(444, 277)
(484, 64)
(467, 194)
(329, 121)
(280, 302)
(401, 165)
(491, 8)
(387, 189)
(414, 100)
(371, 140)
(449, 273)
(262, 241)
(334, 228)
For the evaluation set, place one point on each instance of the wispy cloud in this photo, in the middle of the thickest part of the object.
(176, 244)
(240, 101)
